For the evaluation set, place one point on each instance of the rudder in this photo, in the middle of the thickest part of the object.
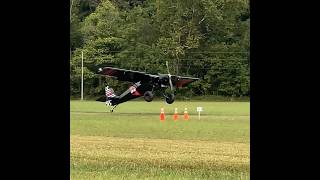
(110, 96)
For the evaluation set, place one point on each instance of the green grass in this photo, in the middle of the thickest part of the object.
(132, 143)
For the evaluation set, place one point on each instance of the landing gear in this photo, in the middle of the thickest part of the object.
(170, 98)
(113, 108)
(148, 96)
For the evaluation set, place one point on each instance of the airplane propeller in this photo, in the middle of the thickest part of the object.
(169, 75)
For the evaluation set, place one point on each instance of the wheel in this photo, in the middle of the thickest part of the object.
(170, 98)
(148, 96)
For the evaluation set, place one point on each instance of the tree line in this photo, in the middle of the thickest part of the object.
(208, 39)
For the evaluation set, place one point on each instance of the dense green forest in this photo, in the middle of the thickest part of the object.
(208, 39)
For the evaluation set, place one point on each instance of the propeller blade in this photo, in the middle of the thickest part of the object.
(169, 75)
(167, 67)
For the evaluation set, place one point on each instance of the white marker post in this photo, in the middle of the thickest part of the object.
(81, 75)
(199, 109)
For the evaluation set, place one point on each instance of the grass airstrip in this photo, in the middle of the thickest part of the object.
(132, 142)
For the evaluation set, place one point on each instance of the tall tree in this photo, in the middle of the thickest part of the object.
(209, 39)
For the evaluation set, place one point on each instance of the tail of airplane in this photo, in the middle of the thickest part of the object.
(109, 92)
(111, 97)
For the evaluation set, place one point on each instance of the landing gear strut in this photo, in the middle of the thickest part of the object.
(113, 108)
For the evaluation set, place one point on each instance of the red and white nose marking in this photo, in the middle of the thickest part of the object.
(133, 89)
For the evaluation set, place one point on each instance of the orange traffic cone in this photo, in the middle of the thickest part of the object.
(162, 117)
(175, 116)
(186, 115)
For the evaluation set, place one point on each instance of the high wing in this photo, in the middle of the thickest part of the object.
(177, 81)
(125, 75)
(136, 76)
(180, 81)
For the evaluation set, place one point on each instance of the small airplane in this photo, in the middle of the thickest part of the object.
(144, 84)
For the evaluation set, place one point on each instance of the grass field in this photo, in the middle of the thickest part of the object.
(132, 143)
